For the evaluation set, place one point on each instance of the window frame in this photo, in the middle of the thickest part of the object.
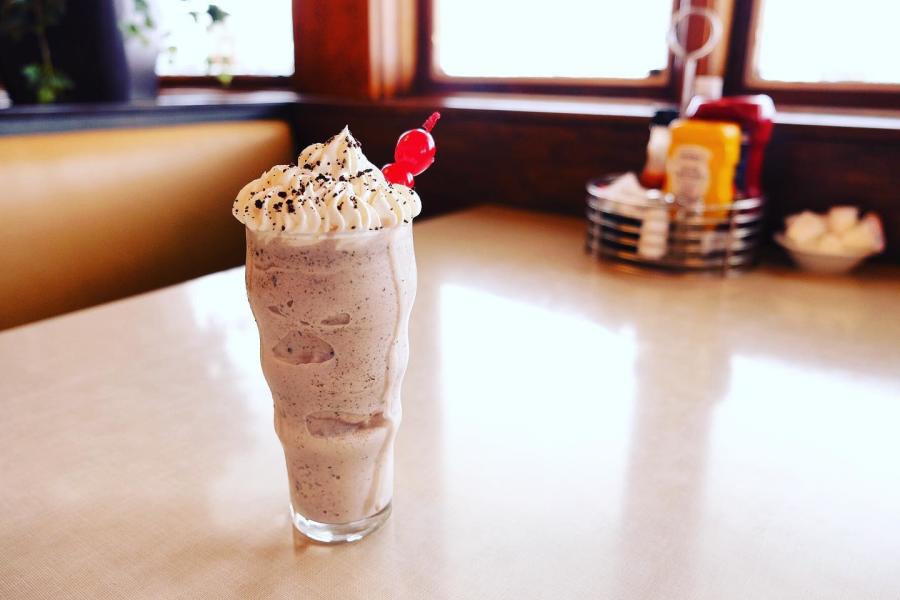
(428, 79)
(238, 82)
(740, 78)
(733, 58)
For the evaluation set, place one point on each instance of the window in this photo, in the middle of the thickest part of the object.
(580, 42)
(798, 51)
(809, 52)
(253, 38)
(808, 41)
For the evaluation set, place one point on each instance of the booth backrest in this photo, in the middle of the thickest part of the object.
(91, 216)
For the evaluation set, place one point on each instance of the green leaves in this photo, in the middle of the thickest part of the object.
(21, 18)
(222, 64)
(32, 73)
(46, 82)
(141, 24)
(216, 14)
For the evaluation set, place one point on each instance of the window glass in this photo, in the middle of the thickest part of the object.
(585, 39)
(252, 38)
(811, 41)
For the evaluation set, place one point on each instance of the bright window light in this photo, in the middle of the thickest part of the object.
(585, 39)
(810, 41)
(255, 39)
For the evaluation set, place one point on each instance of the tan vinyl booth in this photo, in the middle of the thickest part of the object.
(91, 216)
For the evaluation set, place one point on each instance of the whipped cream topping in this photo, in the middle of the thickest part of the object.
(332, 188)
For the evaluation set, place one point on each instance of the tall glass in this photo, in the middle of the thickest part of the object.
(332, 311)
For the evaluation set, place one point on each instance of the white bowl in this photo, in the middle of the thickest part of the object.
(819, 262)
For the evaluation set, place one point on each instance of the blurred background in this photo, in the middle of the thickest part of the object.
(128, 126)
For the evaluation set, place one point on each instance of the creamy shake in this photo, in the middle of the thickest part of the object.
(331, 278)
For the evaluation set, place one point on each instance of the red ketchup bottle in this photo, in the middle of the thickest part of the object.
(754, 116)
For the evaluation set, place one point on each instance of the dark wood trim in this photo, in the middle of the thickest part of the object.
(856, 125)
(513, 156)
(424, 20)
(657, 92)
(426, 84)
(239, 82)
(810, 96)
(332, 47)
(738, 47)
(738, 65)
(697, 35)
(215, 104)
(353, 49)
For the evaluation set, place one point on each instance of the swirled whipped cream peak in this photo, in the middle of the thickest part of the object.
(332, 188)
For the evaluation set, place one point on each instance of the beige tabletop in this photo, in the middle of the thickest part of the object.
(569, 432)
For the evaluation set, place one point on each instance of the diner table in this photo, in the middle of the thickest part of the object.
(569, 431)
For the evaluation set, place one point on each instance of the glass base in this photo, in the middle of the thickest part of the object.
(338, 533)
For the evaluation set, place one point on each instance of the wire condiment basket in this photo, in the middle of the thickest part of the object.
(665, 233)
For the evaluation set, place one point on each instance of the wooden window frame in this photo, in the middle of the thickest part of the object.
(739, 78)
(390, 54)
(238, 82)
(735, 53)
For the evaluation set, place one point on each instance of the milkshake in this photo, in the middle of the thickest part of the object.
(331, 279)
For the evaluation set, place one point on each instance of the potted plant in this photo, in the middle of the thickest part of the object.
(84, 50)
(62, 50)
(144, 39)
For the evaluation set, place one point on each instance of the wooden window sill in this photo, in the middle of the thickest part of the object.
(502, 105)
(606, 108)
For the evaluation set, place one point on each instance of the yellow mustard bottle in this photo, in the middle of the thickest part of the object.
(701, 162)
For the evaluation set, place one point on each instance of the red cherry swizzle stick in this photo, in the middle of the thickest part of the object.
(414, 153)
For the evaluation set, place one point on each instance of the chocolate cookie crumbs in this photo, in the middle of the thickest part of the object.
(340, 179)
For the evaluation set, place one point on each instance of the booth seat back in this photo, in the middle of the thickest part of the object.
(92, 216)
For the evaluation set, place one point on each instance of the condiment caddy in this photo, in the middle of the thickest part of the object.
(657, 230)
(702, 207)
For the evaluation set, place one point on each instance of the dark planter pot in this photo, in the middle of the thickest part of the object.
(86, 45)
(141, 52)
(142, 67)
